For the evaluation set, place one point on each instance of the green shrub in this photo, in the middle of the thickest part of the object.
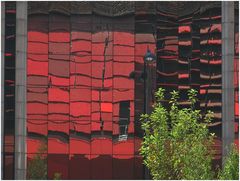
(57, 176)
(230, 170)
(37, 167)
(176, 144)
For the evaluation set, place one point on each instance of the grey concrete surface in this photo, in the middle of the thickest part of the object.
(227, 76)
(21, 91)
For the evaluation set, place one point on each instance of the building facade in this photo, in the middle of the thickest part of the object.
(75, 84)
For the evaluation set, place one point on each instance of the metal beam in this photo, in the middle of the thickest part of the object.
(227, 76)
(20, 90)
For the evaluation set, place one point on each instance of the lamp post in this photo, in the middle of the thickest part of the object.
(149, 59)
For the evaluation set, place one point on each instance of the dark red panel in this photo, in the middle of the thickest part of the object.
(8, 166)
(101, 167)
(138, 167)
(58, 163)
(79, 167)
(123, 167)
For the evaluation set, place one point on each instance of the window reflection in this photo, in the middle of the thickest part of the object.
(85, 79)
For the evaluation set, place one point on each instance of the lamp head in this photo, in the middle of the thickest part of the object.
(149, 57)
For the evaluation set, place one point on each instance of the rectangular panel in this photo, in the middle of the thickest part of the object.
(123, 137)
(123, 167)
(138, 168)
(81, 38)
(58, 164)
(37, 70)
(123, 39)
(98, 66)
(8, 167)
(59, 34)
(101, 167)
(101, 137)
(59, 70)
(58, 120)
(38, 34)
(37, 166)
(80, 71)
(79, 167)
(123, 129)
(102, 39)
(80, 137)
(123, 66)
(37, 103)
(37, 131)
(80, 103)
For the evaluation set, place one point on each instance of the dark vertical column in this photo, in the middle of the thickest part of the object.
(227, 76)
(2, 79)
(168, 53)
(9, 89)
(195, 59)
(184, 56)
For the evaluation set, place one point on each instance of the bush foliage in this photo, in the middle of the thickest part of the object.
(37, 166)
(176, 144)
(230, 170)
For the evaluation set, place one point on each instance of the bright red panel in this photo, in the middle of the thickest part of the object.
(78, 109)
(101, 145)
(37, 48)
(58, 95)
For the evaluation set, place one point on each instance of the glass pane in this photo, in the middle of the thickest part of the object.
(37, 103)
(79, 167)
(80, 137)
(37, 70)
(80, 71)
(37, 135)
(101, 167)
(37, 166)
(123, 167)
(58, 164)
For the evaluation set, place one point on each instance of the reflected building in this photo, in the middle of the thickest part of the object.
(85, 80)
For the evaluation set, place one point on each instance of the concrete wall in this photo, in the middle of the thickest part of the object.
(227, 76)
(21, 91)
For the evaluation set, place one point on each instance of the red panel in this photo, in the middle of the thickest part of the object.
(80, 95)
(101, 146)
(35, 67)
(37, 47)
(78, 109)
(106, 107)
